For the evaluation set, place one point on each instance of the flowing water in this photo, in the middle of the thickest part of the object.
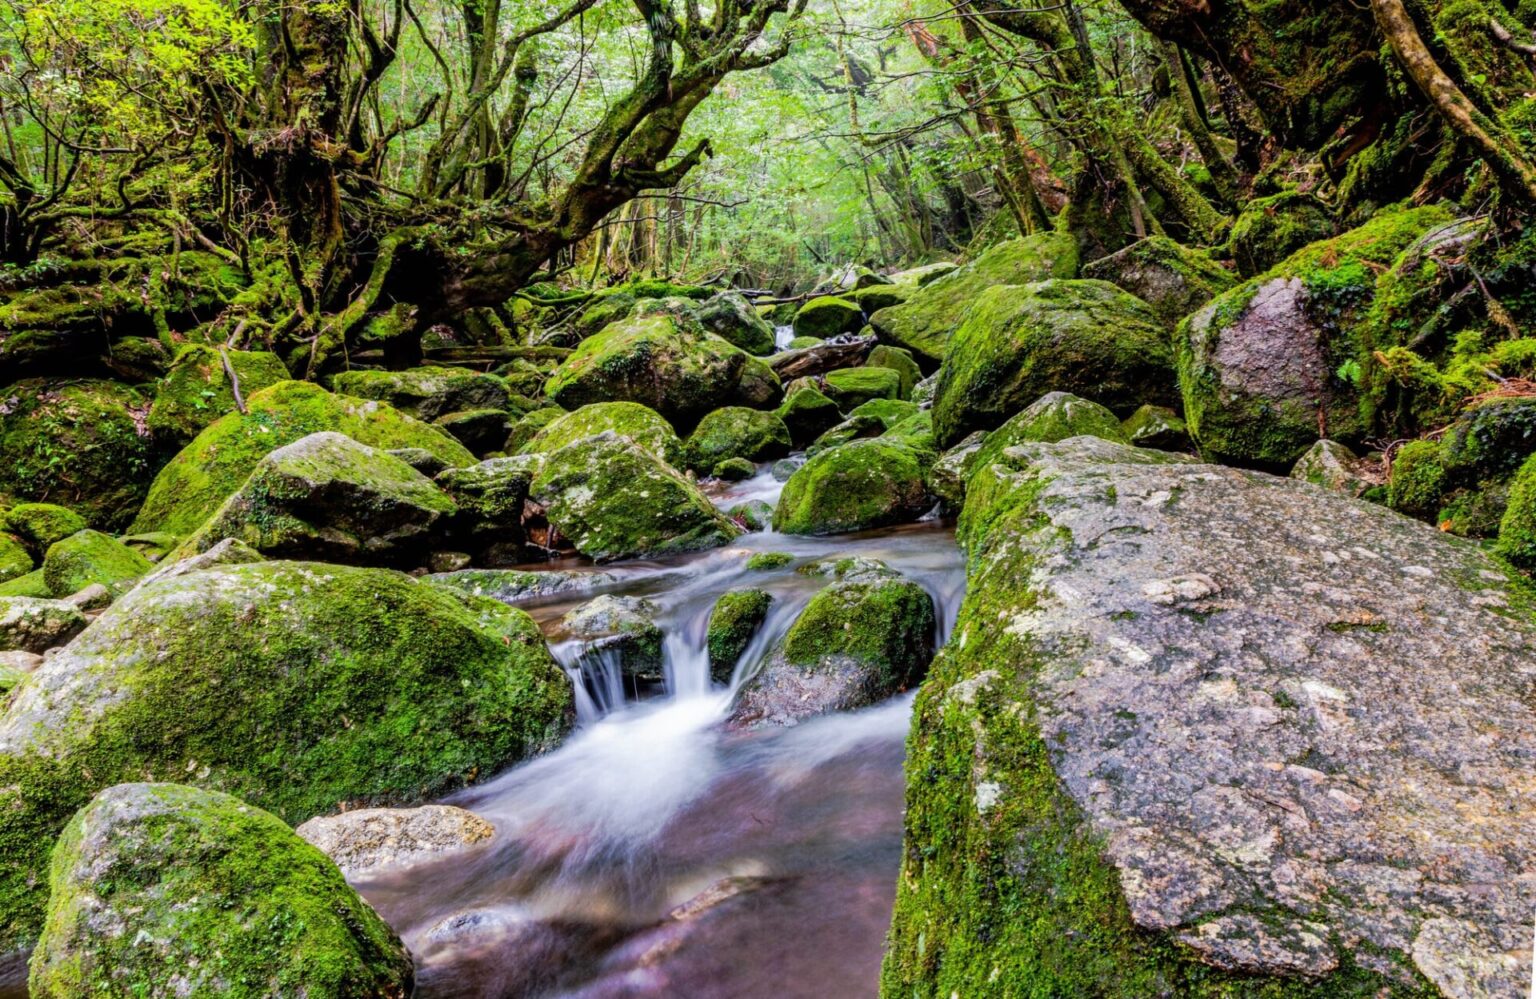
(658, 853)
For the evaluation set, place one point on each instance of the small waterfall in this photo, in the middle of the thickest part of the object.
(597, 676)
(782, 335)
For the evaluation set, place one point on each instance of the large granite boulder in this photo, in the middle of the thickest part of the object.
(427, 393)
(1272, 365)
(82, 442)
(664, 360)
(328, 497)
(168, 890)
(1204, 731)
(208, 471)
(864, 637)
(613, 499)
(296, 685)
(1019, 342)
(853, 487)
(924, 323)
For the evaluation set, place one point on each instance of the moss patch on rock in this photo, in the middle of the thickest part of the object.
(236, 904)
(88, 557)
(827, 316)
(854, 487)
(297, 686)
(209, 470)
(733, 621)
(427, 393)
(737, 432)
(640, 424)
(197, 390)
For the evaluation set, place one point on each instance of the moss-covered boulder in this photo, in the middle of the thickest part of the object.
(808, 413)
(1272, 228)
(1517, 528)
(850, 388)
(662, 360)
(88, 557)
(1461, 479)
(875, 297)
(29, 624)
(737, 432)
(613, 499)
(854, 487)
(235, 903)
(490, 498)
(640, 424)
(733, 621)
(752, 515)
(827, 316)
(759, 385)
(620, 630)
(1137, 631)
(427, 393)
(328, 497)
(864, 637)
(15, 560)
(528, 427)
(871, 419)
(297, 686)
(482, 431)
(900, 361)
(31, 584)
(1268, 367)
(767, 561)
(219, 460)
(197, 390)
(732, 317)
(1019, 342)
(1157, 427)
(82, 443)
(39, 525)
(928, 319)
(1174, 279)
(925, 274)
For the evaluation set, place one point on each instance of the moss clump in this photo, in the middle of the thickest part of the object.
(737, 432)
(196, 391)
(527, 428)
(1157, 427)
(31, 584)
(764, 561)
(1517, 529)
(733, 621)
(879, 296)
(15, 560)
(732, 317)
(828, 316)
(427, 393)
(1462, 480)
(1175, 280)
(801, 342)
(925, 323)
(1272, 228)
(899, 361)
(235, 902)
(81, 442)
(296, 686)
(851, 388)
(733, 470)
(884, 622)
(613, 499)
(41, 524)
(1020, 342)
(854, 487)
(89, 557)
(808, 413)
(663, 360)
(209, 470)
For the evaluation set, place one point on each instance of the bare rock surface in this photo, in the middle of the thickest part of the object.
(367, 839)
(1301, 728)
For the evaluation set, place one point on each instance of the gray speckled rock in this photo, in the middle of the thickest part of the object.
(1333, 466)
(367, 839)
(621, 627)
(30, 624)
(1297, 728)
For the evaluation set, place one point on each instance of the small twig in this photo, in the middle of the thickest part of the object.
(234, 381)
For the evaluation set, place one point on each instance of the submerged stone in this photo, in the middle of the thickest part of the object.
(364, 840)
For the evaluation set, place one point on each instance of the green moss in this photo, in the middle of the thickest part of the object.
(15, 560)
(733, 621)
(851, 388)
(899, 361)
(299, 687)
(1517, 529)
(196, 391)
(30, 585)
(427, 393)
(639, 423)
(808, 413)
(827, 316)
(236, 903)
(880, 620)
(737, 432)
(41, 524)
(853, 487)
(1020, 342)
(613, 499)
(763, 561)
(89, 557)
(801, 342)
(926, 321)
(1051, 418)
(78, 442)
(731, 316)
(527, 428)
(733, 470)
(209, 470)
(1270, 229)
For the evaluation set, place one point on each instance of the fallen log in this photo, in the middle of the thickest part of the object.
(821, 358)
